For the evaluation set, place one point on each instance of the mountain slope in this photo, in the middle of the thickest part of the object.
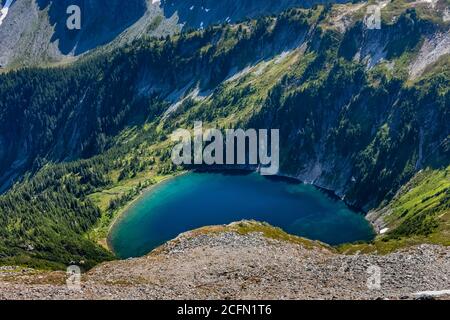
(202, 13)
(360, 126)
(34, 32)
(244, 260)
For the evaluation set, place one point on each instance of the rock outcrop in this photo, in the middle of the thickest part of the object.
(34, 32)
(246, 260)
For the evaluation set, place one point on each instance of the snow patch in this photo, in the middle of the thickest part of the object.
(4, 11)
(432, 293)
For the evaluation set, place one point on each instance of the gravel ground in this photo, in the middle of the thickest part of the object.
(228, 265)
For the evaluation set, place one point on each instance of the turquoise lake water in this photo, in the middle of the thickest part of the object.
(199, 199)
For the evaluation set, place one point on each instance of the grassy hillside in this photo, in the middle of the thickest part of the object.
(423, 206)
(419, 213)
(79, 156)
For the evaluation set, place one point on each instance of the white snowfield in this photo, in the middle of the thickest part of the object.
(4, 11)
(433, 293)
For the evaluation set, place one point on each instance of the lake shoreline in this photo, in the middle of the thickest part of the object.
(121, 213)
(241, 171)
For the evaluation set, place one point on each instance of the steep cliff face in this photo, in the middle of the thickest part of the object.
(102, 21)
(98, 103)
(25, 35)
(35, 31)
(360, 128)
(335, 114)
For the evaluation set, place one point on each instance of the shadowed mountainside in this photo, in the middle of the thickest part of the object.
(85, 139)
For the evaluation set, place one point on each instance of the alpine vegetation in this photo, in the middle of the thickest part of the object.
(347, 104)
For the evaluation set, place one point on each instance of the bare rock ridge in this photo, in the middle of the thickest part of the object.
(245, 260)
(34, 31)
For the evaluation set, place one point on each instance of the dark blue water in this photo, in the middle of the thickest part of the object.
(199, 199)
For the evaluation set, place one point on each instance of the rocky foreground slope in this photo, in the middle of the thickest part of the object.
(245, 260)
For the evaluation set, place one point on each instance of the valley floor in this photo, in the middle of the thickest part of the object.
(245, 260)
